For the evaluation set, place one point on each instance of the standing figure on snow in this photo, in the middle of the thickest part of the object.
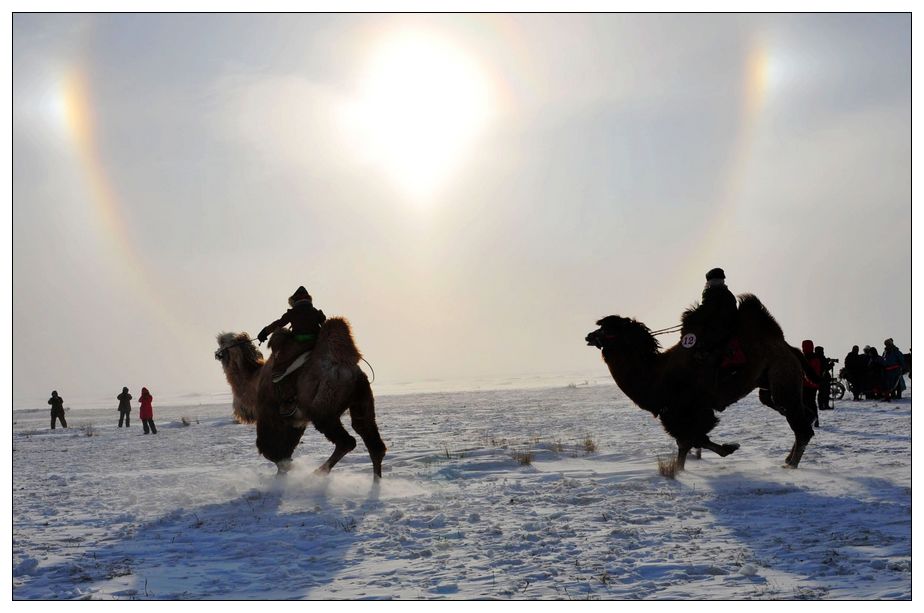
(809, 387)
(875, 373)
(854, 366)
(305, 321)
(893, 361)
(824, 390)
(125, 406)
(146, 414)
(57, 409)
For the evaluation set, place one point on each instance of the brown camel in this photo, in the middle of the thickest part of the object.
(684, 391)
(327, 385)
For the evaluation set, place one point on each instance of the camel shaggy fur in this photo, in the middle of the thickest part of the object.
(329, 384)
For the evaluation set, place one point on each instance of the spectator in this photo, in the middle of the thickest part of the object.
(874, 373)
(824, 390)
(146, 414)
(809, 388)
(57, 409)
(125, 406)
(854, 366)
(893, 363)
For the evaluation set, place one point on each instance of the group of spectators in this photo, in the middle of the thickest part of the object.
(867, 374)
(874, 376)
(145, 411)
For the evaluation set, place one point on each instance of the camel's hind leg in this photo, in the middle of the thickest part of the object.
(683, 448)
(362, 418)
(787, 399)
(337, 434)
(802, 427)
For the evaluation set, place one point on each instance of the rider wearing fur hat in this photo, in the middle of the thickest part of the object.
(304, 319)
(305, 322)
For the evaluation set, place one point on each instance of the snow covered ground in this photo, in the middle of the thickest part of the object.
(514, 494)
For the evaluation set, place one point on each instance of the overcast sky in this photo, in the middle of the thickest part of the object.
(472, 192)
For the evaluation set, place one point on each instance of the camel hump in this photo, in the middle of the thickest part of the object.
(751, 309)
(336, 338)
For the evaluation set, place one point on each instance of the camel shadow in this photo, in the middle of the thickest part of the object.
(827, 542)
(280, 540)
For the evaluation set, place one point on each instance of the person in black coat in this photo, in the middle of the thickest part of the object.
(718, 312)
(854, 365)
(57, 410)
(824, 390)
(125, 407)
(305, 322)
(874, 373)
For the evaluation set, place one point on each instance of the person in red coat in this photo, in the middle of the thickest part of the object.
(146, 414)
(810, 389)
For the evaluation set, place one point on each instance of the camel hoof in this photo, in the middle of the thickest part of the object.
(283, 467)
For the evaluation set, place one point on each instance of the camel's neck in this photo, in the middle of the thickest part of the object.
(636, 377)
(243, 381)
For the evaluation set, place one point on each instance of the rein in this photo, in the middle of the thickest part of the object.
(221, 351)
(669, 330)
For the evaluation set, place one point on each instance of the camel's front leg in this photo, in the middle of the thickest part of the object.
(683, 448)
(277, 439)
(722, 450)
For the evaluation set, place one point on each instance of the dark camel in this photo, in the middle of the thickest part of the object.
(684, 392)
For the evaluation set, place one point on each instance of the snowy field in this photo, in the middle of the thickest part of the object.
(515, 494)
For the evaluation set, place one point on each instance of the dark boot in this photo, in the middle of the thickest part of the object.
(286, 396)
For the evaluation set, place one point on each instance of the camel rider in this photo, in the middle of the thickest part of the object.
(305, 321)
(719, 312)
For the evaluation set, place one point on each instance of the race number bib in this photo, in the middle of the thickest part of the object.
(688, 340)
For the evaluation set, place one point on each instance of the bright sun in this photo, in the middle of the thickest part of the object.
(420, 105)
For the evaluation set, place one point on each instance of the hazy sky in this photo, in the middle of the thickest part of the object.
(472, 192)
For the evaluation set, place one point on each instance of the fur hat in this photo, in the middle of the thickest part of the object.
(715, 273)
(300, 294)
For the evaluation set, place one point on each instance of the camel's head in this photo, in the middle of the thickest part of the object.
(228, 341)
(607, 332)
(616, 331)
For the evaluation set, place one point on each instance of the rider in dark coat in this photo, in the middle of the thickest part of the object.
(57, 409)
(305, 321)
(719, 311)
(125, 407)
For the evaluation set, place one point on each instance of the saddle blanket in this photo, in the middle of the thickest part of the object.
(295, 365)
